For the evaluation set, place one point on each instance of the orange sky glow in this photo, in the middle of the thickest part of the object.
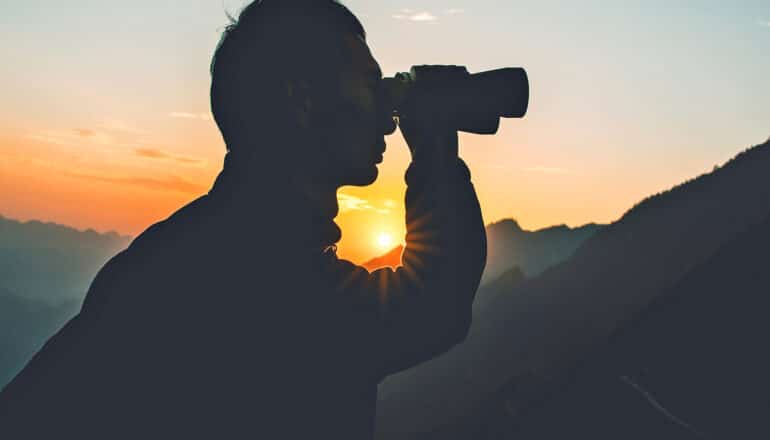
(98, 178)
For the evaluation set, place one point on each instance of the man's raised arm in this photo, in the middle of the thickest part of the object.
(424, 306)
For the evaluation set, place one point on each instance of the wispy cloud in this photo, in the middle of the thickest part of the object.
(417, 16)
(77, 137)
(424, 16)
(188, 115)
(109, 133)
(548, 170)
(111, 137)
(349, 203)
(171, 183)
(85, 132)
(152, 153)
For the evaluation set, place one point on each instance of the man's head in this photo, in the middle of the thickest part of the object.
(295, 87)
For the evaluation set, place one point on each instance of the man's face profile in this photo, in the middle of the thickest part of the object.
(355, 133)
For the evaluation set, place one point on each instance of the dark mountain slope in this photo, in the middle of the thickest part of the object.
(392, 258)
(509, 246)
(554, 319)
(532, 251)
(692, 365)
(25, 324)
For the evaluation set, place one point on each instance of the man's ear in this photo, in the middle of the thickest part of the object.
(298, 92)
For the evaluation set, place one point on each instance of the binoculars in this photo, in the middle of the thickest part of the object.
(472, 103)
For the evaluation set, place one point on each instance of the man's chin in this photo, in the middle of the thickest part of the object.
(363, 177)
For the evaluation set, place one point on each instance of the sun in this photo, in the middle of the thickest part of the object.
(384, 241)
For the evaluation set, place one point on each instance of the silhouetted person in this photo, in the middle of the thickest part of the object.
(234, 318)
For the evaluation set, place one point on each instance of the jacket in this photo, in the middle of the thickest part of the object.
(233, 320)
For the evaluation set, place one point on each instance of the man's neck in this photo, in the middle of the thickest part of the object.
(322, 196)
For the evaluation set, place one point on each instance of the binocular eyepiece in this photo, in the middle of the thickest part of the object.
(473, 103)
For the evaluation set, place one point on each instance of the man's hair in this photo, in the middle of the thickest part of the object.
(270, 42)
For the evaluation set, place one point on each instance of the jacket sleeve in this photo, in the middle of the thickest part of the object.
(423, 308)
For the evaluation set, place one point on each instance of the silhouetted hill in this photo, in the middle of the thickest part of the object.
(532, 251)
(693, 364)
(553, 320)
(509, 246)
(51, 262)
(25, 324)
(510, 278)
(390, 259)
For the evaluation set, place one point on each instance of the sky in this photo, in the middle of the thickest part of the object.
(105, 119)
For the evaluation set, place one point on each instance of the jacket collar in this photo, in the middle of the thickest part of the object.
(264, 204)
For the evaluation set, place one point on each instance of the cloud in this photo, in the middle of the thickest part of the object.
(409, 15)
(454, 11)
(110, 133)
(152, 153)
(349, 203)
(548, 170)
(112, 137)
(74, 138)
(187, 115)
(85, 132)
(171, 183)
(189, 160)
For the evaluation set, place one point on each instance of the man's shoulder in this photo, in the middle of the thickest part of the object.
(164, 238)
(160, 252)
(170, 233)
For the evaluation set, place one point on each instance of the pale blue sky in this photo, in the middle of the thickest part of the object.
(680, 65)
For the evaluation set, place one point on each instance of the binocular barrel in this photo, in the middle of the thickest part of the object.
(473, 103)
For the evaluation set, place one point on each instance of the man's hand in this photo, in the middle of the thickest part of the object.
(429, 139)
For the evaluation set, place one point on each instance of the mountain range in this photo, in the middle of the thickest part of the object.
(692, 364)
(511, 248)
(508, 246)
(45, 271)
(529, 335)
(51, 262)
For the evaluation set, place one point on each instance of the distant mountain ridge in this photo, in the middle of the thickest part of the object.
(509, 246)
(54, 234)
(52, 262)
(555, 319)
(392, 259)
(532, 251)
(45, 271)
